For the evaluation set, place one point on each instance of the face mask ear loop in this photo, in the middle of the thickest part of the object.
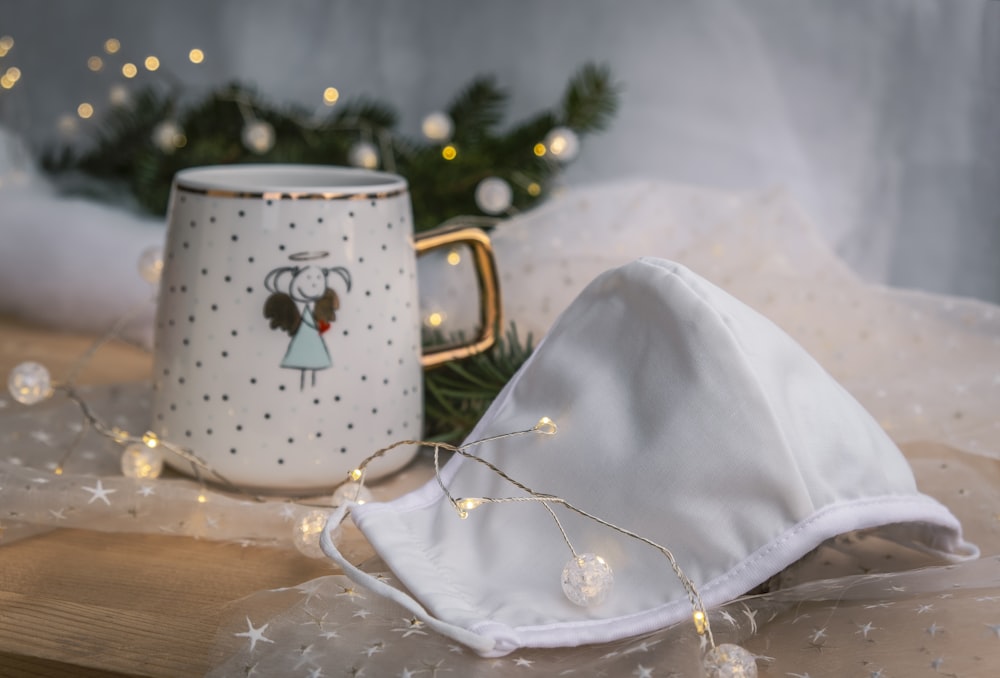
(479, 644)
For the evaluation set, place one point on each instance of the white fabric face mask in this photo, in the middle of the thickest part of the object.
(683, 416)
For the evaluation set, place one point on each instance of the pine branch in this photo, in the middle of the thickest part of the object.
(123, 131)
(363, 112)
(591, 99)
(125, 154)
(477, 109)
(456, 395)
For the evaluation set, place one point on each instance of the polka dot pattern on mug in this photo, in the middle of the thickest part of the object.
(287, 335)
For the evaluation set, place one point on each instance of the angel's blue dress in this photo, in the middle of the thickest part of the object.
(307, 350)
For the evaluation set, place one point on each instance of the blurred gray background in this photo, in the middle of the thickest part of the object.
(881, 117)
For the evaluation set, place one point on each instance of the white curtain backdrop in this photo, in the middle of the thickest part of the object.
(881, 118)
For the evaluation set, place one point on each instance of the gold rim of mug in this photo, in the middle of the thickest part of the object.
(294, 195)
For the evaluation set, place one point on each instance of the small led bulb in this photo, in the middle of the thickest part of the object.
(150, 439)
(470, 503)
(356, 474)
(546, 426)
(699, 622)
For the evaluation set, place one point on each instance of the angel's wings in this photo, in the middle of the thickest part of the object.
(283, 312)
(327, 306)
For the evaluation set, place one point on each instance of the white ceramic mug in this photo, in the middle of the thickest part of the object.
(288, 330)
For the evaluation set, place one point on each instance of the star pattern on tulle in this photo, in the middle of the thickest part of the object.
(350, 592)
(920, 609)
(254, 634)
(58, 514)
(99, 492)
(934, 629)
(521, 661)
(146, 490)
(865, 629)
(374, 649)
(434, 668)
(751, 616)
(818, 637)
(311, 589)
(306, 656)
(313, 619)
(287, 512)
(364, 613)
(412, 627)
(728, 617)
(43, 437)
(642, 672)
(644, 646)
(995, 628)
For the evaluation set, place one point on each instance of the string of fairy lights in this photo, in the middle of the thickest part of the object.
(373, 149)
(587, 579)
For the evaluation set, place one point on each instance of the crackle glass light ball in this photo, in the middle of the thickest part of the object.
(29, 383)
(587, 579)
(118, 95)
(168, 136)
(68, 125)
(494, 195)
(141, 461)
(307, 532)
(437, 126)
(563, 143)
(730, 661)
(151, 264)
(363, 154)
(258, 136)
(351, 492)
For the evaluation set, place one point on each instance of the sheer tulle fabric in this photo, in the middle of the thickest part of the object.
(927, 367)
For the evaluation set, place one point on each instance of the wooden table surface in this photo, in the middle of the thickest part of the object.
(83, 603)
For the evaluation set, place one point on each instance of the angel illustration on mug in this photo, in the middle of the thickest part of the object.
(303, 304)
